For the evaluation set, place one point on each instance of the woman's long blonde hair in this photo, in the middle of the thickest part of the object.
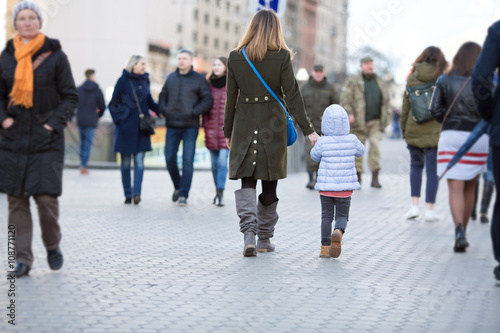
(263, 34)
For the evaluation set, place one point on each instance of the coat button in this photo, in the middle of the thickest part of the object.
(255, 141)
(310, 125)
(256, 132)
(266, 98)
(255, 151)
(256, 99)
(254, 163)
(246, 99)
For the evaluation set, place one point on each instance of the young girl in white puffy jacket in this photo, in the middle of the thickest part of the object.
(337, 177)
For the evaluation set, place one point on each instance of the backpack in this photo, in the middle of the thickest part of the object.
(420, 101)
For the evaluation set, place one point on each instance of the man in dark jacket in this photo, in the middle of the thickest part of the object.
(91, 107)
(318, 94)
(183, 99)
(489, 108)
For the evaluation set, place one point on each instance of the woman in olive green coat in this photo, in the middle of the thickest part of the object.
(255, 125)
(422, 139)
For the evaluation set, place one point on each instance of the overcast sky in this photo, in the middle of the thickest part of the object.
(402, 29)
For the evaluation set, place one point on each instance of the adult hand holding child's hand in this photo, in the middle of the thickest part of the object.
(313, 137)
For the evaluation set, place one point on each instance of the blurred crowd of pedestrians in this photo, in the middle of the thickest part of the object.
(243, 106)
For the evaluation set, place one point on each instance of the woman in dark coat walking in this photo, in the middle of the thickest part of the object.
(255, 125)
(37, 98)
(129, 141)
(213, 121)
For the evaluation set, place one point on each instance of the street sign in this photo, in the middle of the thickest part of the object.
(278, 6)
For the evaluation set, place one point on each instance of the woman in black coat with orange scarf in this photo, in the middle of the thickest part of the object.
(37, 98)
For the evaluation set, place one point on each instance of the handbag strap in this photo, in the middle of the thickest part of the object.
(454, 100)
(264, 82)
(141, 115)
(38, 61)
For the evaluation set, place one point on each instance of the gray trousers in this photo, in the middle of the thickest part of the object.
(20, 217)
(333, 207)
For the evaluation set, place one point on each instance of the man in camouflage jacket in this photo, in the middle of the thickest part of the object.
(366, 99)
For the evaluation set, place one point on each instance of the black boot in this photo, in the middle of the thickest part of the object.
(312, 181)
(375, 182)
(55, 259)
(218, 197)
(473, 215)
(460, 241)
(21, 270)
(485, 202)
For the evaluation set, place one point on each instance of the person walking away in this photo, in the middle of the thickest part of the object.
(422, 138)
(457, 123)
(37, 98)
(213, 121)
(396, 123)
(318, 94)
(366, 99)
(255, 125)
(337, 177)
(184, 98)
(91, 107)
(489, 107)
(131, 97)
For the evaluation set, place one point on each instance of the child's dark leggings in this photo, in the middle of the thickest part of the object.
(333, 207)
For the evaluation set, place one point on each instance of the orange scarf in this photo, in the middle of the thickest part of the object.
(22, 91)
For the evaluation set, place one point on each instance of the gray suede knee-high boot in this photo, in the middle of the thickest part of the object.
(267, 218)
(247, 212)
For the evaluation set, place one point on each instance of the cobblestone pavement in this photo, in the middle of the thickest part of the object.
(158, 267)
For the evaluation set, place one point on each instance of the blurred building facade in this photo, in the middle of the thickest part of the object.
(101, 34)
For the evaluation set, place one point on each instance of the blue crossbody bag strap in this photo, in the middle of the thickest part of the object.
(264, 82)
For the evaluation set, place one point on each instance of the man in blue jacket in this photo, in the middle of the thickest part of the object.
(183, 99)
(489, 107)
(91, 107)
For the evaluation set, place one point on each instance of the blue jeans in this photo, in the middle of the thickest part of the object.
(86, 139)
(331, 208)
(219, 167)
(419, 157)
(138, 174)
(174, 136)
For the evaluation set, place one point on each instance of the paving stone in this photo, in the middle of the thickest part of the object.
(141, 268)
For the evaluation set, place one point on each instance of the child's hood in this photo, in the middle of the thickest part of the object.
(335, 121)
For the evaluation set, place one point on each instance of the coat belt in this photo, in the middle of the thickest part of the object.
(256, 99)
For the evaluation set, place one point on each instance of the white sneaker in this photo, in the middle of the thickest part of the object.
(413, 212)
(430, 216)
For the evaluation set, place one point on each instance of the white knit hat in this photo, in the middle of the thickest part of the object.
(27, 5)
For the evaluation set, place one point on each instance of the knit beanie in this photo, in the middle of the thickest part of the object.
(27, 5)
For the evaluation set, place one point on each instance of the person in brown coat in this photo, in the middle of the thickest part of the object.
(255, 125)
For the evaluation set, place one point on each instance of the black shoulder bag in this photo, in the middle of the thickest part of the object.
(146, 123)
